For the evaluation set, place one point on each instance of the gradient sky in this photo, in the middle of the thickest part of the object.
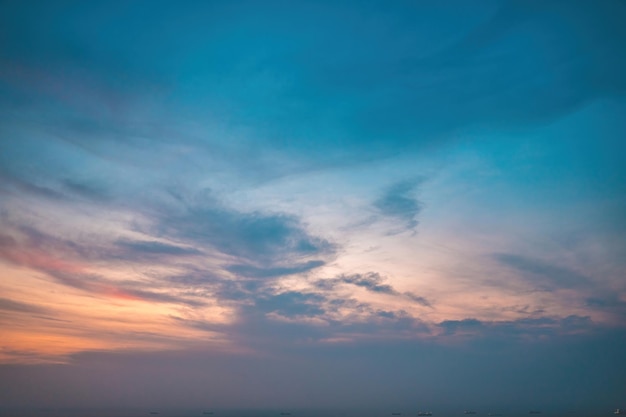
(412, 204)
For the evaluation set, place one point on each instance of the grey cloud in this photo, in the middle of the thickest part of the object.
(129, 250)
(193, 276)
(7, 241)
(286, 240)
(575, 322)
(543, 274)
(608, 303)
(138, 247)
(397, 202)
(165, 298)
(236, 290)
(537, 327)
(13, 184)
(334, 304)
(292, 304)
(255, 238)
(97, 284)
(401, 318)
(18, 306)
(49, 187)
(453, 326)
(30, 239)
(86, 190)
(524, 310)
(251, 271)
(256, 329)
(371, 281)
(387, 314)
(418, 299)
(257, 303)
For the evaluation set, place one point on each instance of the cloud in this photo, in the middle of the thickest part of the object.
(7, 241)
(21, 307)
(264, 246)
(543, 274)
(250, 271)
(272, 321)
(397, 202)
(372, 282)
(418, 299)
(454, 326)
(272, 316)
(86, 190)
(39, 252)
(263, 243)
(66, 264)
(48, 186)
(608, 303)
(154, 248)
(99, 285)
(539, 327)
(12, 184)
(292, 304)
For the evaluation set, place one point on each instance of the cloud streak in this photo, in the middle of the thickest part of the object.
(543, 274)
(398, 203)
(372, 282)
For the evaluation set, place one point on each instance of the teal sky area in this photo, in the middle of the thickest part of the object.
(351, 204)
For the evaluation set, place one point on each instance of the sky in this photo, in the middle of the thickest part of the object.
(357, 204)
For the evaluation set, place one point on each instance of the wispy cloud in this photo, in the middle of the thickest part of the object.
(155, 248)
(543, 274)
(372, 282)
(399, 203)
(292, 304)
(86, 190)
(254, 237)
(535, 328)
(12, 305)
(250, 271)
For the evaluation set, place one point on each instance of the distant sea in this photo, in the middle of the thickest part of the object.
(170, 412)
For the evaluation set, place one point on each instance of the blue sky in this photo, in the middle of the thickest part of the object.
(341, 204)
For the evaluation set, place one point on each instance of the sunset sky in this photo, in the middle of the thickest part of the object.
(313, 204)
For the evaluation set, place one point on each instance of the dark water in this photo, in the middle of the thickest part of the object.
(195, 412)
